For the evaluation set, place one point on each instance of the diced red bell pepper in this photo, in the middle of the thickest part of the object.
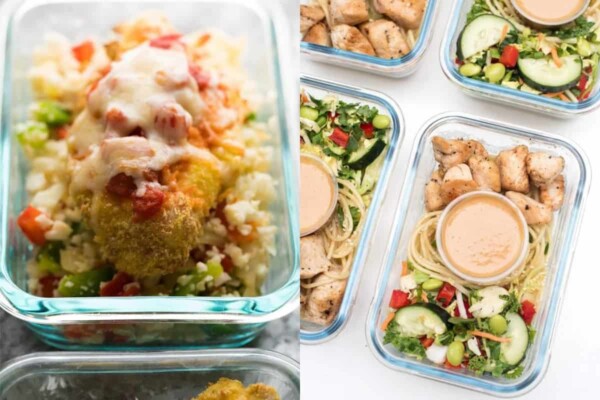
(30, 227)
(527, 311)
(339, 137)
(115, 286)
(367, 129)
(446, 294)
(149, 204)
(510, 56)
(426, 342)
(466, 304)
(121, 185)
(582, 82)
(202, 78)
(165, 41)
(84, 51)
(399, 299)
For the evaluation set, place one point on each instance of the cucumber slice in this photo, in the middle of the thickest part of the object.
(335, 149)
(422, 319)
(480, 34)
(366, 153)
(543, 74)
(514, 351)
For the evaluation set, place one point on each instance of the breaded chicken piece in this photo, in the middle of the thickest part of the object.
(553, 193)
(348, 12)
(406, 13)
(230, 389)
(458, 180)
(543, 168)
(485, 173)
(535, 212)
(346, 37)
(433, 192)
(318, 34)
(324, 301)
(513, 169)
(313, 259)
(386, 38)
(309, 16)
(450, 152)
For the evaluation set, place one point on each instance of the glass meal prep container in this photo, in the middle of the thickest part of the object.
(495, 136)
(159, 320)
(161, 375)
(395, 68)
(311, 333)
(499, 93)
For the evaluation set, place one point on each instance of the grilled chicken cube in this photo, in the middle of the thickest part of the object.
(310, 15)
(346, 37)
(406, 13)
(476, 148)
(485, 173)
(348, 12)
(324, 301)
(313, 259)
(535, 212)
(433, 192)
(543, 168)
(458, 180)
(513, 169)
(386, 38)
(450, 152)
(553, 193)
(318, 34)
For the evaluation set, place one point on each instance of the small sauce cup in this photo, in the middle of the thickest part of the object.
(550, 13)
(318, 193)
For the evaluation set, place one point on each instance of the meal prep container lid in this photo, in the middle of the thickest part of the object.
(559, 261)
(271, 367)
(499, 93)
(389, 106)
(242, 310)
(398, 67)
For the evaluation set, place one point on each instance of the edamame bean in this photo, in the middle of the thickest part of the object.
(381, 121)
(84, 284)
(309, 113)
(498, 325)
(469, 69)
(495, 72)
(432, 284)
(455, 353)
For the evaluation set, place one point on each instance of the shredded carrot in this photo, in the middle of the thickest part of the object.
(563, 97)
(424, 297)
(540, 36)
(404, 268)
(556, 58)
(551, 95)
(387, 321)
(503, 33)
(490, 336)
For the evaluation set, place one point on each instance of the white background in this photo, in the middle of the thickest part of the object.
(345, 368)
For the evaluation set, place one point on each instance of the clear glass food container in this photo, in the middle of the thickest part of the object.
(157, 376)
(149, 321)
(498, 93)
(396, 68)
(311, 333)
(495, 136)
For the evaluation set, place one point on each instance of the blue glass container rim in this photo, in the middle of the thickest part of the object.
(234, 310)
(540, 363)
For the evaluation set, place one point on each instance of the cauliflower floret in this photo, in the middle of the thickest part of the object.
(59, 231)
(49, 199)
(256, 186)
(78, 259)
(241, 212)
(237, 255)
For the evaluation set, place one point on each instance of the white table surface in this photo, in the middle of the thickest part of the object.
(345, 368)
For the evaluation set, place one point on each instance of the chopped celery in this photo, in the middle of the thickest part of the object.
(51, 113)
(214, 269)
(48, 258)
(32, 134)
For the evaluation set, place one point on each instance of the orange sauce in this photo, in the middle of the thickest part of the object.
(482, 236)
(551, 11)
(317, 194)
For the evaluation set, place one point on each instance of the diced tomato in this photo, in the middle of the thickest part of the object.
(84, 51)
(30, 227)
(149, 204)
(527, 311)
(339, 137)
(582, 82)
(458, 61)
(227, 264)
(62, 132)
(399, 299)
(510, 56)
(166, 41)
(466, 304)
(446, 294)
(121, 185)
(115, 286)
(202, 78)
(426, 342)
(450, 366)
(332, 115)
(132, 289)
(367, 129)
(48, 284)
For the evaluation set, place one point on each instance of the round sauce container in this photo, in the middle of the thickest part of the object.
(318, 193)
(550, 13)
(482, 237)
